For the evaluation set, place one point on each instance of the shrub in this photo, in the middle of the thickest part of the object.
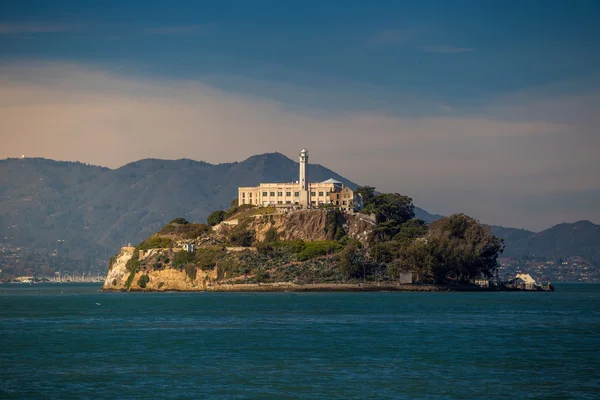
(229, 268)
(207, 258)
(156, 242)
(183, 257)
(215, 217)
(242, 237)
(191, 271)
(318, 248)
(143, 281)
(264, 248)
(271, 235)
(180, 221)
(261, 275)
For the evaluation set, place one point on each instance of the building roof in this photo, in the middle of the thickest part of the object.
(331, 180)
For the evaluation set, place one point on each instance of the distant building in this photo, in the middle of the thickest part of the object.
(188, 247)
(301, 194)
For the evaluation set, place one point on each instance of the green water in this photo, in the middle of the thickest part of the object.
(57, 342)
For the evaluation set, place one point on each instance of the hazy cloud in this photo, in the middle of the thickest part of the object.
(492, 165)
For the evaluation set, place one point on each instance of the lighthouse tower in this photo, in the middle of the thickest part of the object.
(303, 182)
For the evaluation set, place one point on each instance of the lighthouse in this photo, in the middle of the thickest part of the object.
(303, 181)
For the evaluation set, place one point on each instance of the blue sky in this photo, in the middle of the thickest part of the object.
(515, 83)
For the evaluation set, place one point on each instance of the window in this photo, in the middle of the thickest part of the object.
(337, 195)
(297, 194)
(243, 201)
(344, 202)
(243, 195)
(280, 202)
(272, 193)
(279, 193)
(265, 194)
(250, 194)
(288, 193)
(288, 202)
(320, 193)
(313, 202)
(312, 193)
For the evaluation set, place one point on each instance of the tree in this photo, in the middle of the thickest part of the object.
(234, 203)
(367, 193)
(391, 207)
(458, 248)
(352, 259)
(410, 230)
(215, 217)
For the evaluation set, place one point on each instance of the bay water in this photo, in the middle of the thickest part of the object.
(61, 341)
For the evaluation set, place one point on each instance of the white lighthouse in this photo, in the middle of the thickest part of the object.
(303, 182)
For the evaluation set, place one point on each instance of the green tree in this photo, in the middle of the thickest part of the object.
(456, 248)
(367, 194)
(351, 260)
(215, 217)
(143, 281)
(391, 207)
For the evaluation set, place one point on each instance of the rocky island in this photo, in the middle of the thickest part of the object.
(250, 248)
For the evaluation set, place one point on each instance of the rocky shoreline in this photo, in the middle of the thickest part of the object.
(326, 287)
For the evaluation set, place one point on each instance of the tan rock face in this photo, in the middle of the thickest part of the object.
(117, 275)
(174, 279)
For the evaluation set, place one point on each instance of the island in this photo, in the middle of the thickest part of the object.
(320, 236)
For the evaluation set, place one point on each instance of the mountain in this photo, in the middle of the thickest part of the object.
(580, 238)
(73, 216)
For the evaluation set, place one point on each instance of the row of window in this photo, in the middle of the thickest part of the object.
(280, 194)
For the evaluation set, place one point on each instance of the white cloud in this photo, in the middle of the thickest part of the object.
(484, 165)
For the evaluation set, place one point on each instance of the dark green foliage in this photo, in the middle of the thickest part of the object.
(318, 248)
(352, 260)
(191, 271)
(143, 281)
(367, 193)
(215, 217)
(260, 275)
(385, 252)
(114, 282)
(271, 235)
(134, 262)
(234, 203)
(264, 248)
(242, 237)
(334, 225)
(410, 230)
(180, 221)
(183, 257)
(156, 242)
(230, 268)
(111, 261)
(457, 248)
(207, 257)
(391, 207)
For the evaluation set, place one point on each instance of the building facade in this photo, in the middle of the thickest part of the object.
(301, 194)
